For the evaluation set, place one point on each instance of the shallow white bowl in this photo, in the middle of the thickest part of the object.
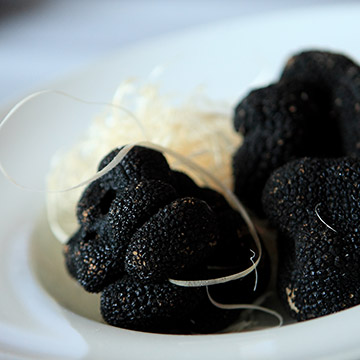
(38, 319)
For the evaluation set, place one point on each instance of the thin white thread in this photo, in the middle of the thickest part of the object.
(318, 215)
(256, 273)
(99, 174)
(245, 307)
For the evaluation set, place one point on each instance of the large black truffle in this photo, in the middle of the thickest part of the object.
(141, 224)
(315, 204)
(313, 110)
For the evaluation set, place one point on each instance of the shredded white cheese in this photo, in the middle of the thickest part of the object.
(197, 128)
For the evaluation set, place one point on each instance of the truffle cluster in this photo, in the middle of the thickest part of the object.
(313, 110)
(299, 166)
(143, 223)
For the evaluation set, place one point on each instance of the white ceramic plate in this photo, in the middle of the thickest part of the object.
(228, 58)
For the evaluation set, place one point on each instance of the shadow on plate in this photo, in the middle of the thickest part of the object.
(49, 268)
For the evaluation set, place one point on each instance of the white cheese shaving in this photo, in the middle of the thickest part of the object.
(197, 128)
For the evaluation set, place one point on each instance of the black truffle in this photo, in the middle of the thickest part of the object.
(141, 224)
(139, 163)
(314, 203)
(180, 236)
(313, 110)
(90, 258)
(155, 306)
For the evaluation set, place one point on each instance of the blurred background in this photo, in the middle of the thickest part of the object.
(42, 40)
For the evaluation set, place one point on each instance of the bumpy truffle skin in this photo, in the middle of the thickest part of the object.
(95, 254)
(161, 307)
(139, 163)
(235, 252)
(319, 67)
(178, 237)
(90, 258)
(94, 204)
(313, 110)
(315, 205)
(339, 77)
(156, 306)
(132, 208)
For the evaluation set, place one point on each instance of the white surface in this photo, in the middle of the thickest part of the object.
(42, 40)
(35, 320)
